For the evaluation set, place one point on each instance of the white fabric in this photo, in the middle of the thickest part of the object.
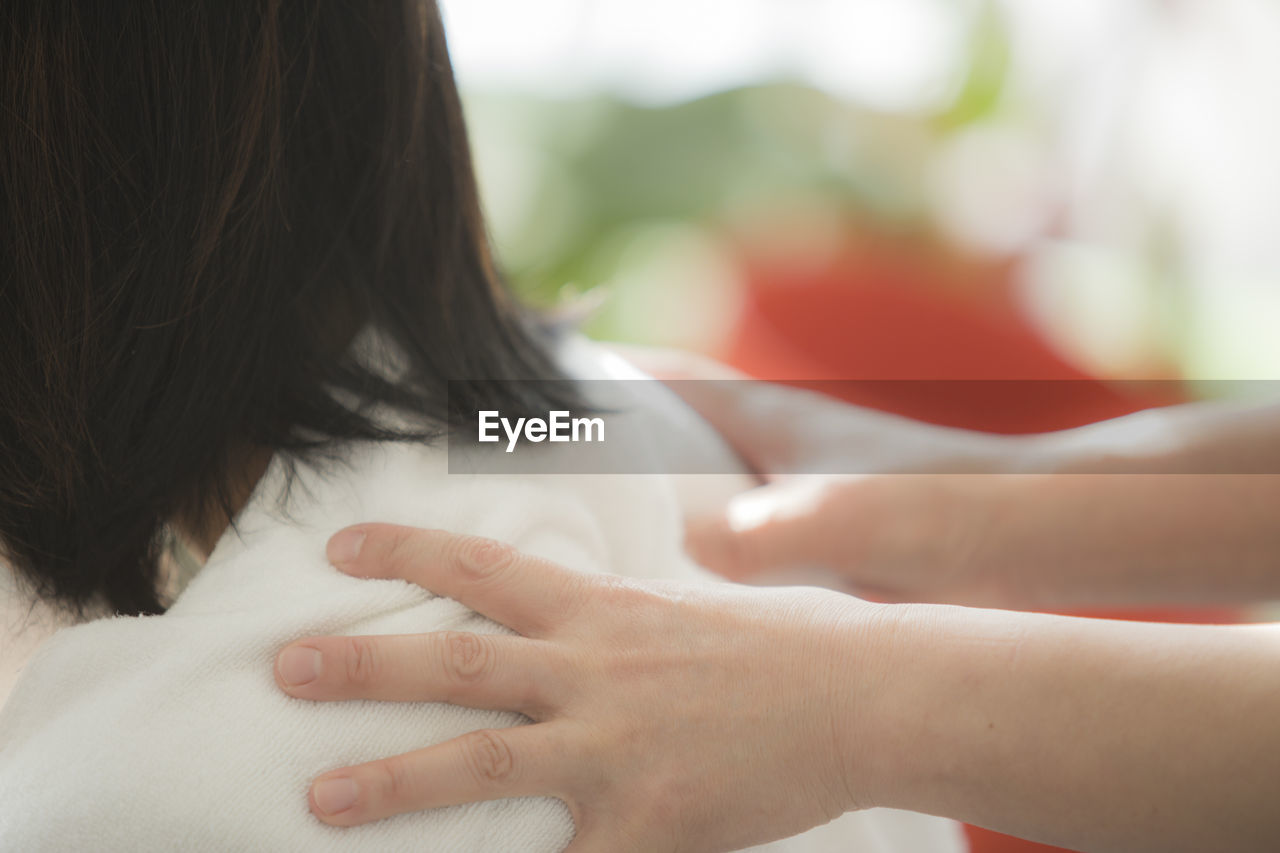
(165, 733)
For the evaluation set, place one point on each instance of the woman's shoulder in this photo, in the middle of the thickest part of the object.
(158, 733)
(113, 720)
(136, 733)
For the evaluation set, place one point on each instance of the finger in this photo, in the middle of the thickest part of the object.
(473, 670)
(524, 593)
(484, 765)
(773, 527)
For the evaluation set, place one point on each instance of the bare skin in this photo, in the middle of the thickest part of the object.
(798, 704)
(622, 787)
(1169, 506)
(1089, 734)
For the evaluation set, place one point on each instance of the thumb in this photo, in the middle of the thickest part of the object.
(779, 526)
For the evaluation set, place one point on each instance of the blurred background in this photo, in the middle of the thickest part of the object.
(1102, 174)
(1086, 192)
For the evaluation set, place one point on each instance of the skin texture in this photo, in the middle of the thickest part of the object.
(1089, 734)
(687, 653)
(797, 705)
(1083, 733)
(1169, 506)
(1010, 541)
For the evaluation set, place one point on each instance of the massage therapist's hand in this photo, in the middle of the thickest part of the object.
(1138, 510)
(833, 496)
(690, 717)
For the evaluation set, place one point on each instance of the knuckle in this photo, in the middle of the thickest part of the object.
(483, 559)
(395, 781)
(578, 594)
(467, 657)
(625, 594)
(399, 551)
(633, 609)
(615, 589)
(489, 757)
(363, 662)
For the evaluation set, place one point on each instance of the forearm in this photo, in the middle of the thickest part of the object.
(1090, 734)
(1172, 505)
(1066, 540)
(1199, 438)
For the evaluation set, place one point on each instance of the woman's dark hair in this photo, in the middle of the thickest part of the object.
(201, 203)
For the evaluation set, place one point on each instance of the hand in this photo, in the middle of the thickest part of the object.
(1123, 513)
(920, 538)
(836, 495)
(666, 716)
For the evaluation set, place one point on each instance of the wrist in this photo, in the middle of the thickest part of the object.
(945, 538)
(970, 523)
(999, 535)
(925, 731)
(873, 690)
(998, 538)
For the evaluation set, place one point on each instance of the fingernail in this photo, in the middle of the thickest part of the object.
(335, 795)
(344, 547)
(299, 665)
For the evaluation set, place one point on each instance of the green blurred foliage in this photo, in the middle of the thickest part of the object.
(601, 165)
(571, 185)
(987, 73)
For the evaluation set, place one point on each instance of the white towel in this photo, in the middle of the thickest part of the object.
(169, 733)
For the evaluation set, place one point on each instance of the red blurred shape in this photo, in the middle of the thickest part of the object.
(898, 311)
(875, 317)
